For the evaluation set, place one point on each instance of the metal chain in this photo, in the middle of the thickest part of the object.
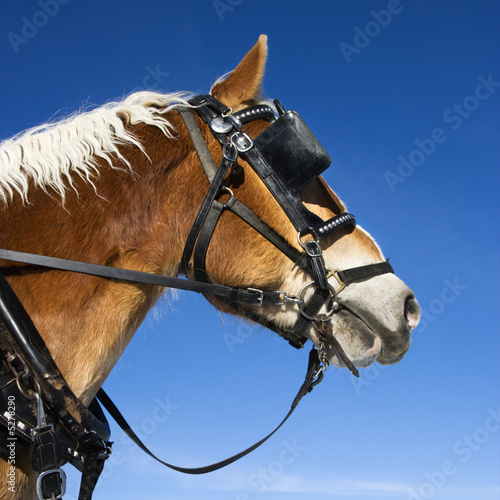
(325, 334)
(22, 373)
(322, 357)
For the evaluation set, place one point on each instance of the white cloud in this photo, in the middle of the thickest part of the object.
(294, 484)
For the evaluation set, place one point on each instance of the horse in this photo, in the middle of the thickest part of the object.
(121, 186)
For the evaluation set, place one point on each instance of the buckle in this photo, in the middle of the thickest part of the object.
(335, 274)
(62, 478)
(260, 300)
(242, 141)
(277, 298)
(230, 152)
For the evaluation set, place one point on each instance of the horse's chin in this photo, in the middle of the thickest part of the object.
(359, 343)
(362, 344)
(385, 360)
(361, 359)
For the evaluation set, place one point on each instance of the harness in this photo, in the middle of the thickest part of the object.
(37, 407)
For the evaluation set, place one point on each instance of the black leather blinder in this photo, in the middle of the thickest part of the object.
(296, 155)
(287, 156)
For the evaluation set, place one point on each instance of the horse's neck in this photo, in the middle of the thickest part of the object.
(86, 321)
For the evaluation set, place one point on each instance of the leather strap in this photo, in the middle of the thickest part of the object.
(199, 143)
(26, 341)
(294, 337)
(92, 468)
(45, 450)
(362, 273)
(317, 301)
(281, 194)
(258, 112)
(316, 264)
(244, 213)
(46, 458)
(251, 297)
(212, 193)
(203, 242)
(314, 375)
(207, 102)
(335, 223)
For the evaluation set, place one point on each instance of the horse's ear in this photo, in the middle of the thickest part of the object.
(244, 83)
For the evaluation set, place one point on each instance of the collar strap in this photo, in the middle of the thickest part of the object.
(72, 433)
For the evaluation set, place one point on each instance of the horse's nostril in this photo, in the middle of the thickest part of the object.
(412, 311)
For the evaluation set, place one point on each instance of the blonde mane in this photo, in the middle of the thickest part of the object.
(50, 154)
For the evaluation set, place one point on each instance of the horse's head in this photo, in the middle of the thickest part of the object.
(270, 229)
(376, 313)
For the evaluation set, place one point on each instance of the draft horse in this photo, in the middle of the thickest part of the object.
(223, 189)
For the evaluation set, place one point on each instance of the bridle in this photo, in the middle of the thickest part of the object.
(286, 156)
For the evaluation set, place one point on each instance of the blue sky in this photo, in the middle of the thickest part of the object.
(405, 96)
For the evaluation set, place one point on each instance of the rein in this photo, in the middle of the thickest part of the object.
(57, 434)
(286, 156)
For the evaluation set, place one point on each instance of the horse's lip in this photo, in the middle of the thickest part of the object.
(382, 358)
(365, 350)
(360, 318)
(365, 323)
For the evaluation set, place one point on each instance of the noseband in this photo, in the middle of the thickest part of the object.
(286, 156)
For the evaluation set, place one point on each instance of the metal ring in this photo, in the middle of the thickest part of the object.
(228, 191)
(305, 246)
(230, 152)
(62, 476)
(328, 314)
